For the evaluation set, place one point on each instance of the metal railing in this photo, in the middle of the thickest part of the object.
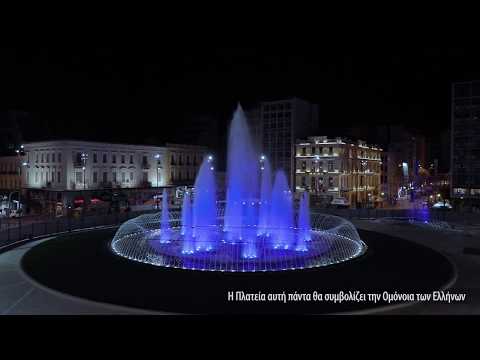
(417, 214)
(22, 229)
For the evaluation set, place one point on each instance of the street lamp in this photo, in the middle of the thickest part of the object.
(364, 164)
(159, 166)
(20, 152)
(84, 159)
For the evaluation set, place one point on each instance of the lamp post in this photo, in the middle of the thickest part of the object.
(364, 164)
(20, 152)
(159, 166)
(84, 159)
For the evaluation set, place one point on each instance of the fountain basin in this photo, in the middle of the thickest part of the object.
(331, 240)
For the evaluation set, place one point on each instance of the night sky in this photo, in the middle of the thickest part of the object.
(151, 94)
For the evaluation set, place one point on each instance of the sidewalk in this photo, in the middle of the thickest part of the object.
(452, 245)
(20, 296)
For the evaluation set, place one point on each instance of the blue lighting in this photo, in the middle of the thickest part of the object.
(258, 228)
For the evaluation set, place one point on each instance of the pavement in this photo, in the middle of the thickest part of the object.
(21, 295)
(450, 243)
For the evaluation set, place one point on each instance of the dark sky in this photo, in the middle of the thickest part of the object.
(150, 93)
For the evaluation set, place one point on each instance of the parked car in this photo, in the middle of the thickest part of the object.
(444, 205)
(340, 202)
(15, 213)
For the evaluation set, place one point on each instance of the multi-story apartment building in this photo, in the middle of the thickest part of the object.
(465, 142)
(10, 170)
(60, 171)
(275, 126)
(338, 168)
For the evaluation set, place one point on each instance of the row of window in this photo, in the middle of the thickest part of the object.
(174, 160)
(45, 177)
(46, 157)
(275, 107)
(279, 115)
(317, 183)
(8, 167)
(9, 183)
(319, 150)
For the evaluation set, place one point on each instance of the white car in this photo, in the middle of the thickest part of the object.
(442, 205)
(340, 202)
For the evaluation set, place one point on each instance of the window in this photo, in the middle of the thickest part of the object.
(330, 182)
(114, 176)
(95, 160)
(36, 158)
(173, 160)
(53, 157)
(145, 176)
(114, 158)
(95, 177)
(59, 157)
(123, 177)
(48, 158)
(144, 159)
(59, 179)
(131, 176)
(330, 150)
(123, 159)
(188, 160)
(104, 158)
(53, 176)
(131, 159)
(42, 158)
(105, 177)
(330, 166)
(78, 177)
(304, 151)
(36, 177)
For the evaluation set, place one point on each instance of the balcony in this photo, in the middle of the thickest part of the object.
(145, 166)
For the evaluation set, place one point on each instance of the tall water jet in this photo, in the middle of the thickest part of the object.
(204, 208)
(165, 221)
(265, 197)
(281, 213)
(304, 229)
(249, 232)
(242, 174)
(188, 245)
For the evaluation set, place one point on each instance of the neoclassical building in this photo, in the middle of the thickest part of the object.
(61, 170)
(338, 168)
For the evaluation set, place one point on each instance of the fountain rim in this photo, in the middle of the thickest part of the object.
(362, 247)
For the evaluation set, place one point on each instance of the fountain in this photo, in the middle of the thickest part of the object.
(258, 228)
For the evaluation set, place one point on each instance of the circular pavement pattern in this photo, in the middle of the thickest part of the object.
(83, 265)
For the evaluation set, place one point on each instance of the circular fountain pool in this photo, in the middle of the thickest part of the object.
(331, 240)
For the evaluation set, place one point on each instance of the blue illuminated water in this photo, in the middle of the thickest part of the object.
(204, 208)
(165, 222)
(259, 219)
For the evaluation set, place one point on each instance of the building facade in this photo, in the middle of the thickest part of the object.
(10, 170)
(64, 170)
(277, 124)
(329, 168)
(465, 142)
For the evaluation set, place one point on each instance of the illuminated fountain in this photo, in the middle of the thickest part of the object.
(259, 227)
